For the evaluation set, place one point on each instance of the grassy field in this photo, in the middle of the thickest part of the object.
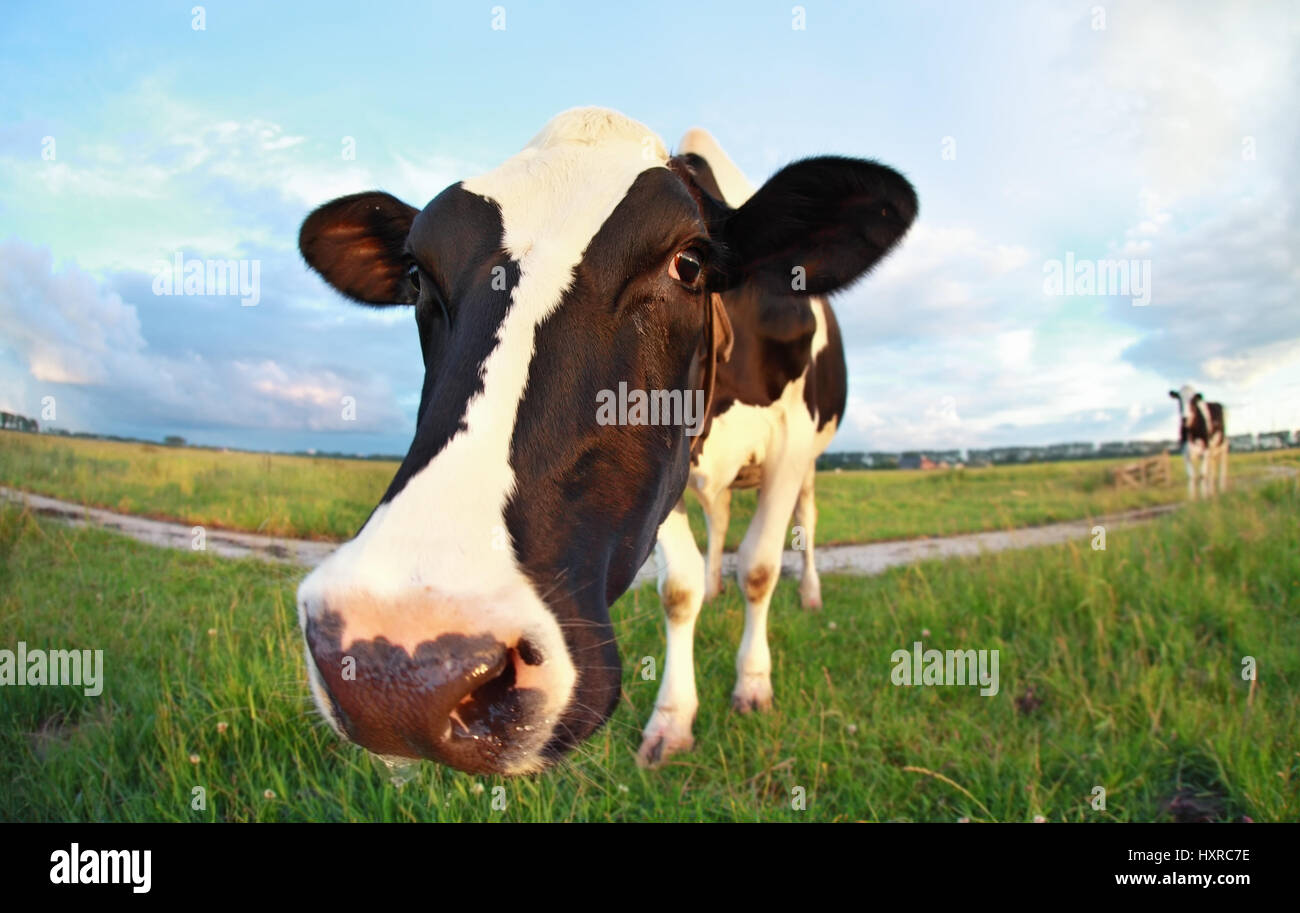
(329, 499)
(301, 497)
(1119, 668)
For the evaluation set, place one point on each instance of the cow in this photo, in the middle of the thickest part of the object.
(1203, 440)
(779, 401)
(468, 620)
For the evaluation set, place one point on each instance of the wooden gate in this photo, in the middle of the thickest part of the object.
(1152, 471)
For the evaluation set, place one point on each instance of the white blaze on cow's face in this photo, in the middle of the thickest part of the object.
(1185, 395)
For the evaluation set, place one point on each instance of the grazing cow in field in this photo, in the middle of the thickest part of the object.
(468, 620)
(778, 403)
(1203, 439)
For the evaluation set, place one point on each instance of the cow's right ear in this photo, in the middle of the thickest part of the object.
(1174, 394)
(817, 226)
(358, 245)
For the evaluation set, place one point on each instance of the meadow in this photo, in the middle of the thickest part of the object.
(1119, 668)
(329, 499)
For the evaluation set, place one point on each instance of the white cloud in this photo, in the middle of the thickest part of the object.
(64, 334)
(191, 180)
(1014, 348)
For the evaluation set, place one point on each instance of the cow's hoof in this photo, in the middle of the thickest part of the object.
(753, 692)
(664, 737)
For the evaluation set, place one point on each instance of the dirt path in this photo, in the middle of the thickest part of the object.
(877, 557)
(872, 558)
(226, 543)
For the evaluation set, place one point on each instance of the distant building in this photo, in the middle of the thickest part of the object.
(844, 460)
(882, 460)
(1079, 450)
(916, 461)
(992, 456)
(929, 459)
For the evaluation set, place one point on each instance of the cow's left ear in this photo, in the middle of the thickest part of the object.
(358, 245)
(817, 225)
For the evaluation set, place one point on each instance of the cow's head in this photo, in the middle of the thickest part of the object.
(1188, 402)
(468, 620)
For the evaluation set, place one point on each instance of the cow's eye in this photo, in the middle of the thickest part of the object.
(686, 267)
(413, 277)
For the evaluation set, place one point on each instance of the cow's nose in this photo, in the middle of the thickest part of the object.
(455, 699)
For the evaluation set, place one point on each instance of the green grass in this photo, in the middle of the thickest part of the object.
(1134, 652)
(310, 498)
(301, 497)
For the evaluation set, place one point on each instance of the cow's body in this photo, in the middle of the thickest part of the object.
(468, 620)
(779, 401)
(1203, 439)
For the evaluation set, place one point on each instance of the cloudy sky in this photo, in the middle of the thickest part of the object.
(1163, 137)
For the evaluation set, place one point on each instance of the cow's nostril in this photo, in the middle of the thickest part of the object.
(529, 652)
(490, 710)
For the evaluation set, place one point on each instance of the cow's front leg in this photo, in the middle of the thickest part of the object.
(759, 568)
(681, 590)
(805, 517)
(717, 510)
(1190, 466)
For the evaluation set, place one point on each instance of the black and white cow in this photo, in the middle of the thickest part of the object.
(779, 401)
(468, 620)
(1203, 439)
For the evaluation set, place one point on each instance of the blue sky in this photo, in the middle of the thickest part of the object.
(1158, 134)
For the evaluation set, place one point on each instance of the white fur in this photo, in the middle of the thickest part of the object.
(443, 532)
(681, 577)
(735, 187)
(1204, 409)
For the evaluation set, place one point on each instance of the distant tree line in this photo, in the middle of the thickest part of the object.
(175, 440)
(1001, 456)
(10, 420)
(908, 459)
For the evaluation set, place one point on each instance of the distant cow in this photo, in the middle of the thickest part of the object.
(1203, 439)
(779, 400)
(468, 620)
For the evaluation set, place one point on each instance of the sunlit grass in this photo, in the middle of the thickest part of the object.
(1135, 653)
